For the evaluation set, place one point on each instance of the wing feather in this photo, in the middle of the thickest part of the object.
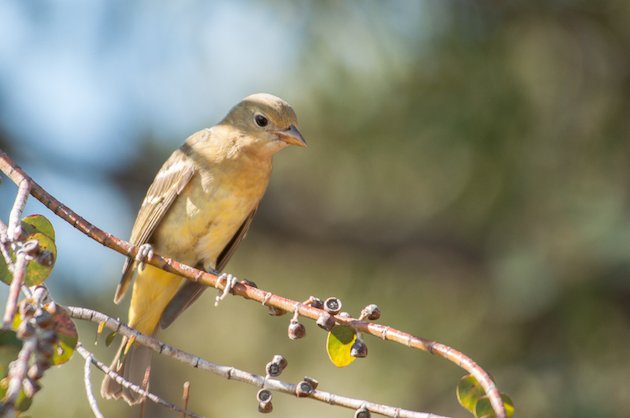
(170, 181)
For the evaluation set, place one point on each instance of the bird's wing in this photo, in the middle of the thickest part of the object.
(190, 291)
(167, 185)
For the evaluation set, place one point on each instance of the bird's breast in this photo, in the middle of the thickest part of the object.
(208, 213)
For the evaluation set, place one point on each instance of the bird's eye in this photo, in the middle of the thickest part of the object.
(261, 120)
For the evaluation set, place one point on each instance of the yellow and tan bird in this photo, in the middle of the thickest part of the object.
(197, 211)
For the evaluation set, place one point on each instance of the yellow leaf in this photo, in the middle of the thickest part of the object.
(339, 343)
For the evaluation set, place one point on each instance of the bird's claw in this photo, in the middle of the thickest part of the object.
(145, 252)
(230, 281)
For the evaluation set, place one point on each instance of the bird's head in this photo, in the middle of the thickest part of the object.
(267, 122)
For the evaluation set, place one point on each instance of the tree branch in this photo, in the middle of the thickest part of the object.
(232, 373)
(19, 270)
(151, 396)
(16, 174)
(15, 217)
(89, 358)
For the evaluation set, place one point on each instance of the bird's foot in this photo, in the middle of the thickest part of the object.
(230, 281)
(145, 252)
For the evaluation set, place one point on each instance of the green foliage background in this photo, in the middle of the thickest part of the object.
(468, 172)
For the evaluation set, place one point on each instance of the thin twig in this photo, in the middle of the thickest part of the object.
(233, 373)
(19, 272)
(119, 379)
(185, 395)
(8, 166)
(145, 386)
(88, 386)
(15, 217)
(4, 248)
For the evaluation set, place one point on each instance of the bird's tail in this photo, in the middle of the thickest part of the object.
(132, 368)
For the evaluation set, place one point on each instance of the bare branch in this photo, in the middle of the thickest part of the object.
(249, 292)
(4, 248)
(88, 385)
(152, 397)
(19, 271)
(15, 217)
(17, 373)
(233, 373)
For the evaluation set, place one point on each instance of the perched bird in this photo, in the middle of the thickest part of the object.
(197, 210)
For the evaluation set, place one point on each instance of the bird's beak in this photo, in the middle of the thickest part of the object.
(292, 136)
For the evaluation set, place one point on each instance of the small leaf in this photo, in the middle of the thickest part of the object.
(339, 344)
(5, 273)
(66, 331)
(10, 346)
(38, 223)
(469, 391)
(483, 409)
(36, 272)
(34, 227)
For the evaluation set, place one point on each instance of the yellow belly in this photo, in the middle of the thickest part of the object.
(202, 222)
(152, 291)
(196, 229)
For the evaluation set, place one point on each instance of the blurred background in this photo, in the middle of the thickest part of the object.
(467, 170)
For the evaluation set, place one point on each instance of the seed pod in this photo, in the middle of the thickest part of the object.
(362, 412)
(265, 408)
(273, 369)
(281, 361)
(45, 258)
(296, 330)
(332, 305)
(359, 349)
(326, 321)
(314, 383)
(303, 389)
(371, 312)
(264, 397)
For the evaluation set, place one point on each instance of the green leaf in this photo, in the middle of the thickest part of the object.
(471, 396)
(483, 409)
(66, 331)
(38, 223)
(10, 346)
(35, 227)
(5, 273)
(36, 271)
(339, 343)
(469, 391)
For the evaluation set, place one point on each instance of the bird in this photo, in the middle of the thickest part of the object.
(197, 211)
